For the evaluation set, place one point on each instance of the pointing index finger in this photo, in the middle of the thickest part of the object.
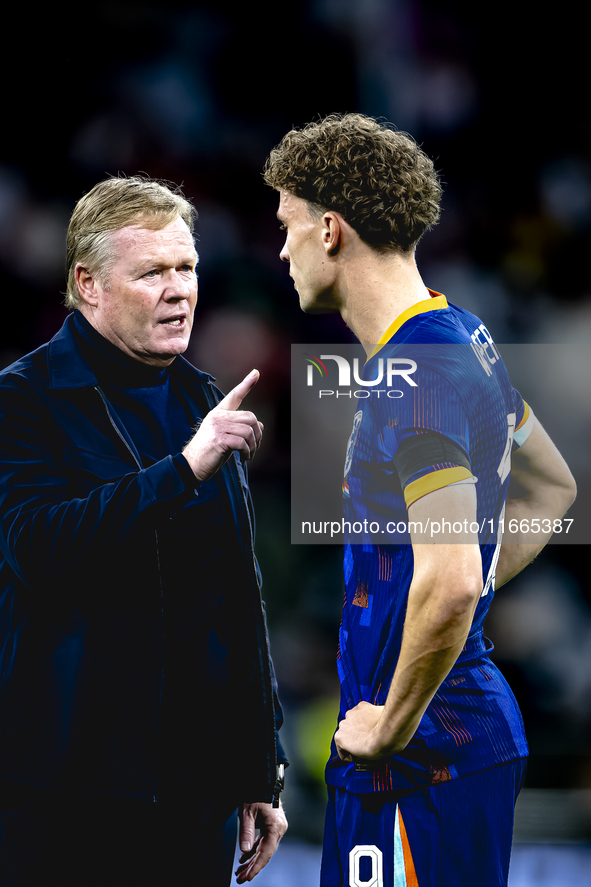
(234, 398)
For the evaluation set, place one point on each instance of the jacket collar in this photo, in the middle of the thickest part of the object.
(68, 368)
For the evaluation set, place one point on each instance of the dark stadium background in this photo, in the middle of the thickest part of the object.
(199, 93)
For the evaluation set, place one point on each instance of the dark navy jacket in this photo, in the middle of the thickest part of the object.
(89, 619)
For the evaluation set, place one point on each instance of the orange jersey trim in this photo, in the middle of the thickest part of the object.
(526, 412)
(410, 873)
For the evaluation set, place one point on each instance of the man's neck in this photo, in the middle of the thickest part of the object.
(378, 290)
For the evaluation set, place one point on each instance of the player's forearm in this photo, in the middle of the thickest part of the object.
(444, 592)
(431, 645)
(519, 549)
(531, 519)
(541, 491)
(438, 621)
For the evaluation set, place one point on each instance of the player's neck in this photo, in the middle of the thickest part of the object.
(377, 291)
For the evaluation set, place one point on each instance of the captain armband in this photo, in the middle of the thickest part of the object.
(438, 462)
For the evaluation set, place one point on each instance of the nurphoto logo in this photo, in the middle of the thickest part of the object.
(389, 371)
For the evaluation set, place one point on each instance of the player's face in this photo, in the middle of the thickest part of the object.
(312, 272)
(147, 310)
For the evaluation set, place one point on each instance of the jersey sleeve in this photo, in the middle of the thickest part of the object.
(424, 437)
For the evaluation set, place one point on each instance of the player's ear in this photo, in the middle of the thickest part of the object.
(332, 232)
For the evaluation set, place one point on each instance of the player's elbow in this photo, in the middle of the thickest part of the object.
(455, 597)
(467, 577)
(561, 494)
(466, 592)
(452, 580)
(570, 491)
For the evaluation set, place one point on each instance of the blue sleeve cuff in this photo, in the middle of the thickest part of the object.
(186, 473)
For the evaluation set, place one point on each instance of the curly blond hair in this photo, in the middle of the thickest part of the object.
(378, 178)
(113, 204)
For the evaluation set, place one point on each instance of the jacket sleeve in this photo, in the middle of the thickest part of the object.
(43, 527)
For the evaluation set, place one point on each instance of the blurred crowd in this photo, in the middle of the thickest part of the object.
(198, 94)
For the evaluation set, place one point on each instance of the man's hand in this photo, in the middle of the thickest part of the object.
(224, 429)
(359, 736)
(272, 825)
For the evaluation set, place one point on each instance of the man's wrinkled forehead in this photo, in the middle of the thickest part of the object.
(139, 233)
(138, 244)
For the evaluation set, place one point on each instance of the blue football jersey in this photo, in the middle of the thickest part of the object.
(451, 418)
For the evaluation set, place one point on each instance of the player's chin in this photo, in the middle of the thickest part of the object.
(314, 304)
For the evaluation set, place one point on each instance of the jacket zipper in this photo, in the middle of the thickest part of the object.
(139, 465)
(276, 779)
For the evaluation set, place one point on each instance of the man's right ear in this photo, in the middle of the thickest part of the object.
(87, 285)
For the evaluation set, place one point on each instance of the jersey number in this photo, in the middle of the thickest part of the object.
(374, 855)
(503, 472)
(505, 463)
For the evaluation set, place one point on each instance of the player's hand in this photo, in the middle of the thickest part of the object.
(224, 429)
(256, 853)
(360, 735)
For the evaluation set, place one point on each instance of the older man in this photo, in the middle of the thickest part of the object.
(137, 702)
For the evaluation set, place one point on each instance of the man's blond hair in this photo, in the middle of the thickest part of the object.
(111, 205)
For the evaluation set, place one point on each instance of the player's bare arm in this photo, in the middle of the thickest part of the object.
(542, 488)
(446, 586)
(224, 429)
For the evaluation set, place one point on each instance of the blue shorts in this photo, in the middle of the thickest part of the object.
(456, 834)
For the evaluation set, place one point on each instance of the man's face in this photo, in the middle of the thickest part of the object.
(309, 264)
(147, 310)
